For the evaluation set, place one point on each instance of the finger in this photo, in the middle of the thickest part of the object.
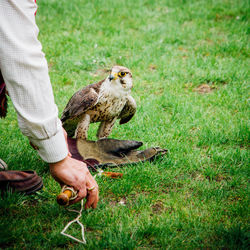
(82, 193)
(94, 205)
(92, 198)
(93, 194)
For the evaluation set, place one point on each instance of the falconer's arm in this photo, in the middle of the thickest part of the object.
(25, 71)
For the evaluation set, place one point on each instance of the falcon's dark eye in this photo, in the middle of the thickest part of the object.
(122, 74)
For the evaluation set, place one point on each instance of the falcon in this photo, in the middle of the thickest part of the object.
(105, 102)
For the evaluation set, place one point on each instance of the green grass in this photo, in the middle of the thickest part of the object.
(195, 197)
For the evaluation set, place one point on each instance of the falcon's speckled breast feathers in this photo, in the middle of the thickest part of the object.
(105, 102)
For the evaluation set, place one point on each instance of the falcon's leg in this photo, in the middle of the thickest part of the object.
(105, 128)
(82, 128)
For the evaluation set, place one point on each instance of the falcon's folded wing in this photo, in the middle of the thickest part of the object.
(81, 101)
(128, 111)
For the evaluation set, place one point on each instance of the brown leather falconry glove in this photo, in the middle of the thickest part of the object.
(111, 152)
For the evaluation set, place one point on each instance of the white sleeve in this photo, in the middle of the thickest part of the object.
(25, 71)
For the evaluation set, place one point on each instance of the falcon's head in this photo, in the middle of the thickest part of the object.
(121, 76)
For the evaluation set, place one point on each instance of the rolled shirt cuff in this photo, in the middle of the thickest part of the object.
(53, 149)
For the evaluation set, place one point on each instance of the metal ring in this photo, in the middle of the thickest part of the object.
(90, 189)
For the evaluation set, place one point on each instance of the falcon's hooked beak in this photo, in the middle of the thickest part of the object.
(113, 76)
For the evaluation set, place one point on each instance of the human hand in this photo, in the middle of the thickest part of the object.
(75, 174)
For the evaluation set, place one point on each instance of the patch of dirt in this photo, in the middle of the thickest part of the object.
(90, 229)
(121, 202)
(204, 89)
(152, 67)
(50, 65)
(159, 91)
(207, 86)
(67, 82)
(244, 147)
(197, 176)
(235, 198)
(219, 178)
(112, 203)
(158, 207)
(219, 17)
(165, 190)
(194, 130)
(209, 41)
(182, 49)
